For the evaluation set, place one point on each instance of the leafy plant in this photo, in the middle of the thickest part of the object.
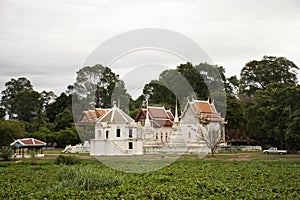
(67, 160)
(6, 153)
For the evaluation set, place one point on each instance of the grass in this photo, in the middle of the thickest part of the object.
(226, 176)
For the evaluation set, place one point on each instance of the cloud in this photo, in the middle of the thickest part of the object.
(51, 39)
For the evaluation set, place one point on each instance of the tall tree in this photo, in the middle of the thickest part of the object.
(27, 105)
(63, 120)
(187, 81)
(98, 86)
(292, 133)
(270, 114)
(60, 103)
(12, 89)
(256, 75)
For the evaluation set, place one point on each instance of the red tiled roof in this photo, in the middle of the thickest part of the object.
(91, 116)
(205, 109)
(158, 116)
(171, 117)
(29, 142)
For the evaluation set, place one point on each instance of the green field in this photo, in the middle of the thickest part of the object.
(227, 176)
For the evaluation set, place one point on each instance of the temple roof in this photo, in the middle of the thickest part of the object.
(27, 142)
(115, 115)
(205, 109)
(91, 116)
(158, 116)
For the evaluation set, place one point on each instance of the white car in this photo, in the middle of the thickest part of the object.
(274, 150)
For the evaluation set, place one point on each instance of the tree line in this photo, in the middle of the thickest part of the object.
(261, 106)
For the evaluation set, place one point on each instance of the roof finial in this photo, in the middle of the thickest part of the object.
(147, 121)
(176, 120)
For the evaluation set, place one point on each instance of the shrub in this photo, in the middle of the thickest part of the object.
(84, 177)
(6, 153)
(67, 160)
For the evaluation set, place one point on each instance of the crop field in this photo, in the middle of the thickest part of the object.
(226, 176)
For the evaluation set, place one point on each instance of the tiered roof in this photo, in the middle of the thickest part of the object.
(158, 116)
(205, 109)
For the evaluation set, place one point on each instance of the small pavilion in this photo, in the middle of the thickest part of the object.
(27, 144)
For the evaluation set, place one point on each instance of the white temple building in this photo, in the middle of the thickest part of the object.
(116, 134)
(154, 130)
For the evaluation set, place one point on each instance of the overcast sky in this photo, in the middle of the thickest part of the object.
(48, 41)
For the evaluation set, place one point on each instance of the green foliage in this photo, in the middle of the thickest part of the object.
(271, 112)
(2, 113)
(256, 75)
(63, 120)
(67, 160)
(234, 113)
(292, 135)
(85, 177)
(36, 135)
(12, 89)
(61, 103)
(188, 81)
(99, 86)
(66, 137)
(6, 152)
(9, 131)
(27, 105)
(187, 178)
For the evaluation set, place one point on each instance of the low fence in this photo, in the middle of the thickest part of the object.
(239, 148)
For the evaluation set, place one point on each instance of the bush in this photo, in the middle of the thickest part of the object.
(84, 177)
(6, 153)
(67, 160)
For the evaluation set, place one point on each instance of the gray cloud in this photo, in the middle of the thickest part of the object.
(47, 41)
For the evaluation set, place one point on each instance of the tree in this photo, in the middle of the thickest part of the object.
(60, 104)
(211, 134)
(12, 89)
(186, 82)
(234, 113)
(9, 131)
(97, 86)
(292, 133)
(271, 113)
(63, 120)
(66, 137)
(256, 75)
(2, 113)
(27, 105)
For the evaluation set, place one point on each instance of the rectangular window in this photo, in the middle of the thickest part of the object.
(118, 132)
(130, 133)
(130, 145)
(106, 134)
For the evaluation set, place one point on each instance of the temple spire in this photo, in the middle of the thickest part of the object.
(176, 119)
(147, 121)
